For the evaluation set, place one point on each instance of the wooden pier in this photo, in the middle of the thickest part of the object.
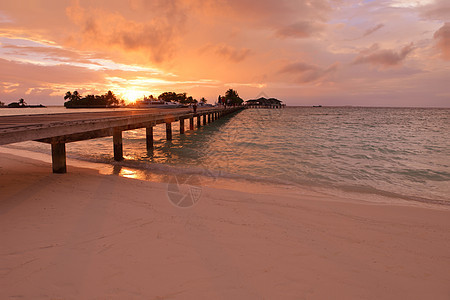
(59, 129)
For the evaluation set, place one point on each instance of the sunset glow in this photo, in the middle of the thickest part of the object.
(131, 96)
(352, 52)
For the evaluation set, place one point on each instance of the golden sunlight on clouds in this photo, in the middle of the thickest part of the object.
(411, 3)
(351, 52)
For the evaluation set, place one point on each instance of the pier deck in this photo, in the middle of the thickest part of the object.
(59, 129)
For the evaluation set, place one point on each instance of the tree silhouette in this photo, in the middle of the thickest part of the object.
(68, 96)
(75, 100)
(72, 97)
(76, 96)
(168, 97)
(111, 99)
(232, 98)
(22, 102)
(180, 97)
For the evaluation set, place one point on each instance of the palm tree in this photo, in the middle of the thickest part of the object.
(232, 98)
(72, 97)
(76, 96)
(68, 96)
(22, 102)
(231, 94)
(111, 99)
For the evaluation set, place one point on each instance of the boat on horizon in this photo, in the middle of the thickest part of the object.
(149, 103)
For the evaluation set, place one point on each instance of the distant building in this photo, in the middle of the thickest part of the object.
(264, 102)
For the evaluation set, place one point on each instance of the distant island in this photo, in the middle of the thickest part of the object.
(20, 104)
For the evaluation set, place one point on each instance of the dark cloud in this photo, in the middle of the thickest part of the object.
(277, 12)
(305, 73)
(442, 37)
(228, 52)
(383, 57)
(368, 32)
(372, 30)
(233, 54)
(302, 29)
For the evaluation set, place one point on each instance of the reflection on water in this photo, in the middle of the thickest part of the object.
(123, 172)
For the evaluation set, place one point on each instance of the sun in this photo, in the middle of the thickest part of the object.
(132, 95)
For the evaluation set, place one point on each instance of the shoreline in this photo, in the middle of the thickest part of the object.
(88, 235)
(213, 179)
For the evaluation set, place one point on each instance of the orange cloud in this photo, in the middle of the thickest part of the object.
(305, 73)
(302, 29)
(228, 52)
(383, 57)
(102, 29)
(442, 37)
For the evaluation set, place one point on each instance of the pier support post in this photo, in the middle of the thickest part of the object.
(149, 137)
(118, 147)
(204, 119)
(191, 123)
(209, 118)
(199, 123)
(181, 126)
(168, 131)
(59, 158)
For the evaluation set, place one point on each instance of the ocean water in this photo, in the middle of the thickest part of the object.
(391, 152)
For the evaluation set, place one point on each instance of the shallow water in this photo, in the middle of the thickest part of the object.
(394, 152)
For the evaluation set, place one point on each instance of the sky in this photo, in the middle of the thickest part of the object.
(328, 52)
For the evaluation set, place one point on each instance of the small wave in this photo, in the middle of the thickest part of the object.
(364, 189)
(168, 169)
(422, 175)
(176, 170)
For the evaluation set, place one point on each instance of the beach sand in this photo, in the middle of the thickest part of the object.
(83, 235)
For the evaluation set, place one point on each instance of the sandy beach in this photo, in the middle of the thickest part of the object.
(83, 235)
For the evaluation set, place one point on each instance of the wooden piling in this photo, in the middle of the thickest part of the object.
(59, 158)
(199, 121)
(191, 123)
(149, 138)
(204, 119)
(181, 126)
(169, 131)
(118, 147)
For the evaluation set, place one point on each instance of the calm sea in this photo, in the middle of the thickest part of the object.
(392, 152)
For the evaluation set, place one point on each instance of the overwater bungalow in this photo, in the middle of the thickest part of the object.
(265, 103)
